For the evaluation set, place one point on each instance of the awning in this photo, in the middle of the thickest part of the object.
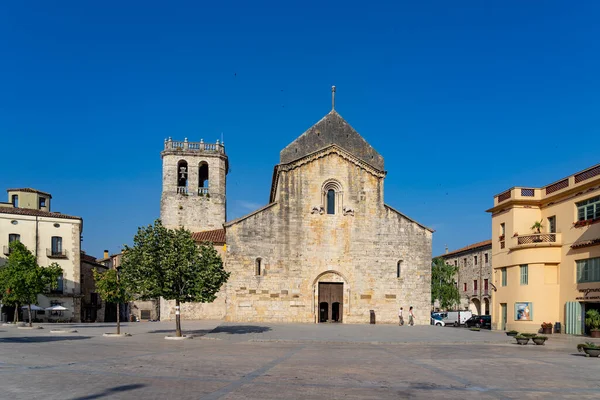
(56, 308)
(585, 243)
(33, 308)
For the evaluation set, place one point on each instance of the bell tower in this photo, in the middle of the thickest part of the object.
(193, 185)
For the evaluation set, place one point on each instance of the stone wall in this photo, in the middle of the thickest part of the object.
(469, 271)
(194, 211)
(299, 247)
(88, 286)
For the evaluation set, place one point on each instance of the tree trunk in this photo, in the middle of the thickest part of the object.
(16, 318)
(29, 311)
(177, 319)
(118, 319)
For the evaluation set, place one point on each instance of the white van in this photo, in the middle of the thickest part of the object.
(457, 318)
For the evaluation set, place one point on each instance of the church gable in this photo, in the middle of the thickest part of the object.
(331, 130)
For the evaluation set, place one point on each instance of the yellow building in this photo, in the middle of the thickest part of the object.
(547, 273)
(53, 238)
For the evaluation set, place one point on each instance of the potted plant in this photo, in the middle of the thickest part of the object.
(537, 226)
(589, 348)
(512, 333)
(528, 335)
(547, 328)
(592, 321)
(522, 339)
(539, 340)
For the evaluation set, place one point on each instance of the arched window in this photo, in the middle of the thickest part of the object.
(182, 176)
(331, 201)
(203, 178)
(332, 196)
(398, 269)
(258, 267)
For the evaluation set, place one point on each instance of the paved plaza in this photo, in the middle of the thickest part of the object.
(288, 361)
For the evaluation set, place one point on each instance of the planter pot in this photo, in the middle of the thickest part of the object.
(591, 352)
(522, 341)
(511, 334)
(538, 341)
(595, 333)
(547, 331)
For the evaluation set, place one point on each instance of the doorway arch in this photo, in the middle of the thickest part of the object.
(475, 306)
(331, 297)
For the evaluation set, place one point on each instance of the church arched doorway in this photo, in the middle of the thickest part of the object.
(331, 301)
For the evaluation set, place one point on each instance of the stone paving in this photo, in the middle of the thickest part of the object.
(288, 361)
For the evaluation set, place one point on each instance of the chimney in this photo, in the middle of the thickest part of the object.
(446, 249)
(106, 253)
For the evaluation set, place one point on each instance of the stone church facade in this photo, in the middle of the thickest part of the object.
(325, 249)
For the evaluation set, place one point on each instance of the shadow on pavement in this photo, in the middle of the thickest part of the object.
(110, 392)
(41, 339)
(240, 329)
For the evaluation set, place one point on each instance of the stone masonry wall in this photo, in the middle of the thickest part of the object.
(194, 211)
(470, 271)
(299, 248)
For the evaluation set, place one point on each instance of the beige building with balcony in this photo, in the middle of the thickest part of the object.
(53, 238)
(550, 274)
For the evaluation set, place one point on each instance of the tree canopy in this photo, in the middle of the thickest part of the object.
(443, 287)
(22, 279)
(168, 263)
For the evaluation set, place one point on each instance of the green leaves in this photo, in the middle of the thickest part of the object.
(110, 288)
(167, 263)
(22, 279)
(443, 288)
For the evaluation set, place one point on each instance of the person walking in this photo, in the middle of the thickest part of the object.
(401, 317)
(411, 317)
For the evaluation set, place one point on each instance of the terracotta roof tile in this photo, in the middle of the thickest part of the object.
(469, 247)
(216, 236)
(35, 213)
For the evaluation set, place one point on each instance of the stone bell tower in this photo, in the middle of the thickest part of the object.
(193, 185)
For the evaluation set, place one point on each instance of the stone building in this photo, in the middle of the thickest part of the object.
(92, 305)
(53, 238)
(326, 248)
(474, 278)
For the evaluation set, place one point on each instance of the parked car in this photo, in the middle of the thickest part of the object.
(479, 321)
(437, 322)
(457, 318)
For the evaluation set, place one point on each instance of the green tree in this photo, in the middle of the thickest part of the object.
(112, 290)
(443, 288)
(22, 279)
(167, 263)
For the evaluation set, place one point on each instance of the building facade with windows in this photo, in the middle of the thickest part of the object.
(53, 238)
(546, 253)
(326, 247)
(474, 278)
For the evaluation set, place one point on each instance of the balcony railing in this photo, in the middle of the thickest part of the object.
(56, 253)
(182, 189)
(202, 191)
(218, 147)
(537, 238)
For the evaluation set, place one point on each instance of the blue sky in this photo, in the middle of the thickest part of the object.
(463, 99)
